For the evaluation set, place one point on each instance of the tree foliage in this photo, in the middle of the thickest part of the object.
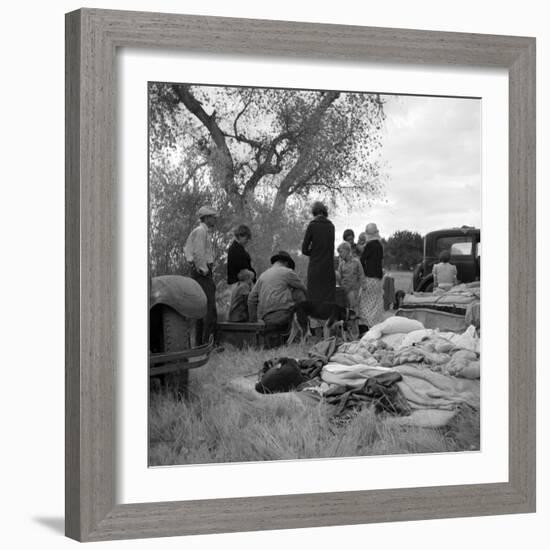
(403, 250)
(269, 142)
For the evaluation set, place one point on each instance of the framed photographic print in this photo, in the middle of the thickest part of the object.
(237, 358)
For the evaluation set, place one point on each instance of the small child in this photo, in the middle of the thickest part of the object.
(349, 274)
(238, 309)
(361, 243)
(444, 273)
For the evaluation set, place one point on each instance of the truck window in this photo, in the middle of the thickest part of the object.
(458, 245)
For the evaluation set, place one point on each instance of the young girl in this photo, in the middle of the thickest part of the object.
(444, 273)
(349, 274)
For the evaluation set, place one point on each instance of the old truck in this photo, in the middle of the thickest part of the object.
(175, 305)
(464, 245)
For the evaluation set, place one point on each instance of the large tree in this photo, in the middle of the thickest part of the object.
(270, 144)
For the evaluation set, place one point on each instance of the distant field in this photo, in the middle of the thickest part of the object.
(403, 280)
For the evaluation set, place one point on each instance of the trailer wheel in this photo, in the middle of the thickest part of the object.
(172, 332)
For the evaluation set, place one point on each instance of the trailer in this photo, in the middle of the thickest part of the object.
(454, 310)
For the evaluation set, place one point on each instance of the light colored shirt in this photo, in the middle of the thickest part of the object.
(198, 248)
(444, 275)
(351, 273)
(273, 291)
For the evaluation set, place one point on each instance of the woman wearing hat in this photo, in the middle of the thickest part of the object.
(318, 244)
(371, 303)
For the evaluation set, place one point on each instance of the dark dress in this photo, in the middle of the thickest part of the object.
(237, 259)
(319, 246)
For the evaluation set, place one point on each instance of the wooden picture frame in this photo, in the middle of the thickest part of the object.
(92, 39)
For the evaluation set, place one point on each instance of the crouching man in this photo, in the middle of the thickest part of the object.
(276, 291)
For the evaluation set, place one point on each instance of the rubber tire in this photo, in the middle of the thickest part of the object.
(427, 286)
(177, 334)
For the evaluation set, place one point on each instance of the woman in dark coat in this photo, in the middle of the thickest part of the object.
(319, 246)
(237, 256)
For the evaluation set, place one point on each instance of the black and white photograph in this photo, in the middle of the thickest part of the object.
(247, 302)
(314, 263)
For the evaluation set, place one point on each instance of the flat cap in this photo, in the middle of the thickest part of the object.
(207, 211)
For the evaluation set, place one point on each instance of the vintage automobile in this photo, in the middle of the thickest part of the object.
(464, 245)
(175, 304)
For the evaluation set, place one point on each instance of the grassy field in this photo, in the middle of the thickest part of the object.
(402, 280)
(218, 423)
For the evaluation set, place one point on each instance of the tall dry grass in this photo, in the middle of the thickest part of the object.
(218, 423)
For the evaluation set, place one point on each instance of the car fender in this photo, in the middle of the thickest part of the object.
(425, 282)
(417, 275)
(183, 294)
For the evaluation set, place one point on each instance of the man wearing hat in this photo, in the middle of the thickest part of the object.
(276, 291)
(199, 252)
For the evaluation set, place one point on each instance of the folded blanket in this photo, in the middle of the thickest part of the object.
(425, 389)
(353, 358)
(349, 375)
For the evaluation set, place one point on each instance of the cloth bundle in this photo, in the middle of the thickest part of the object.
(380, 391)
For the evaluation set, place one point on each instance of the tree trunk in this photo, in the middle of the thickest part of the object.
(225, 160)
(297, 176)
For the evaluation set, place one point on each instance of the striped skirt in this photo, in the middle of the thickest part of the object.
(371, 302)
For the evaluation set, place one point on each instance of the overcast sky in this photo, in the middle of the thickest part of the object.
(432, 161)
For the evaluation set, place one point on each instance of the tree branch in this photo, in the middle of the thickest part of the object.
(184, 95)
(247, 103)
(243, 139)
(309, 131)
(194, 170)
(267, 166)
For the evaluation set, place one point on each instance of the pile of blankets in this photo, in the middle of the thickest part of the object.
(418, 376)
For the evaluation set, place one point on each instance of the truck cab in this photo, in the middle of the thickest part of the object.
(464, 245)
